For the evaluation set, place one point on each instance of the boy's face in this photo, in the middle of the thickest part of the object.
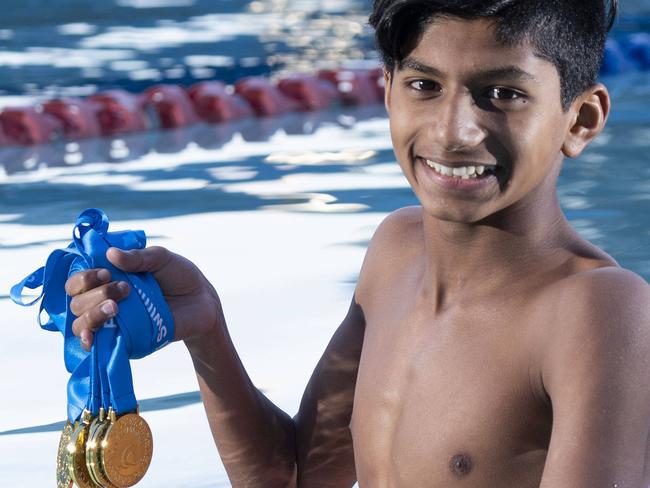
(465, 101)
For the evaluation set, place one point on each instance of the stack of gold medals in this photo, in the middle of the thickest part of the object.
(105, 442)
(103, 449)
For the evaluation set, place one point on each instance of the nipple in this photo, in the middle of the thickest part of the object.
(460, 465)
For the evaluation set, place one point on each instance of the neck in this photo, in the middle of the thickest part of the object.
(479, 258)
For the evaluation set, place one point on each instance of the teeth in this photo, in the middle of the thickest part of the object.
(463, 172)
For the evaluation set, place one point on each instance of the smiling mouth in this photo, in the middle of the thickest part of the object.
(469, 172)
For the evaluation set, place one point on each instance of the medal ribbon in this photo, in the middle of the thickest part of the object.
(102, 345)
(94, 393)
(143, 325)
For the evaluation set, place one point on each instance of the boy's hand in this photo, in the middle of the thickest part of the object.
(192, 300)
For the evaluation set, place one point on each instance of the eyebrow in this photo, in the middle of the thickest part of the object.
(411, 63)
(501, 72)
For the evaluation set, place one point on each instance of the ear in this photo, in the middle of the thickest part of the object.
(590, 113)
(388, 86)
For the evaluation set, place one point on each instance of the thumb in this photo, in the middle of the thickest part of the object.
(150, 259)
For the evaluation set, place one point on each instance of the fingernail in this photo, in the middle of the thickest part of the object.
(122, 286)
(86, 339)
(108, 308)
(103, 275)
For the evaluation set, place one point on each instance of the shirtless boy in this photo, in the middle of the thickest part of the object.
(487, 344)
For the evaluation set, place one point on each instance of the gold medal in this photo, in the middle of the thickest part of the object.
(95, 438)
(63, 479)
(126, 449)
(91, 444)
(76, 453)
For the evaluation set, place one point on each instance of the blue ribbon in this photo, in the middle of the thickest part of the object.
(103, 345)
(143, 325)
(94, 393)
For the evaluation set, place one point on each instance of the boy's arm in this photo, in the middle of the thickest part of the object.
(255, 439)
(596, 371)
(260, 445)
(325, 456)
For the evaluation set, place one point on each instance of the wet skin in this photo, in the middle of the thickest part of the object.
(487, 344)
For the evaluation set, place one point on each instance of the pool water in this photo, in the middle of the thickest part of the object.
(276, 212)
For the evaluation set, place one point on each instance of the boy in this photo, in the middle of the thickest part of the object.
(487, 344)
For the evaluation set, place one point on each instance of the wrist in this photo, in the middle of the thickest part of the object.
(211, 338)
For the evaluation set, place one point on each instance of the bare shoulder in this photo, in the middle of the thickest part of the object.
(604, 293)
(396, 241)
(594, 373)
(406, 219)
(604, 313)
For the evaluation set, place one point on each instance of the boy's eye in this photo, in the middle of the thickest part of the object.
(425, 86)
(499, 93)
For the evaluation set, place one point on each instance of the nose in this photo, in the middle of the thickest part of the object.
(455, 126)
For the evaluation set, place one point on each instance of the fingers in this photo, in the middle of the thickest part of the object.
(94, 308)
(115, 291)
(86, 280)
(93, 303)
(92, 320)
(150, 259)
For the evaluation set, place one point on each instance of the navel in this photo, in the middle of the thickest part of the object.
(461, 465)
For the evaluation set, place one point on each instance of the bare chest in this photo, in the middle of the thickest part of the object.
(448, 401)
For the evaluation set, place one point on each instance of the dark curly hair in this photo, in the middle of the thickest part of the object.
(569, 33)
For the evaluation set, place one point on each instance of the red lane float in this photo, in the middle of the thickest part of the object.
(214, 104)
(119, 112)
(79, 117)
(26, 125)
(265, 98)
(356, 87)
(129, 147)
(310, 92)
(172, 105)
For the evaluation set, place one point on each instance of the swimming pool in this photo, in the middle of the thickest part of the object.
(276, 212)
